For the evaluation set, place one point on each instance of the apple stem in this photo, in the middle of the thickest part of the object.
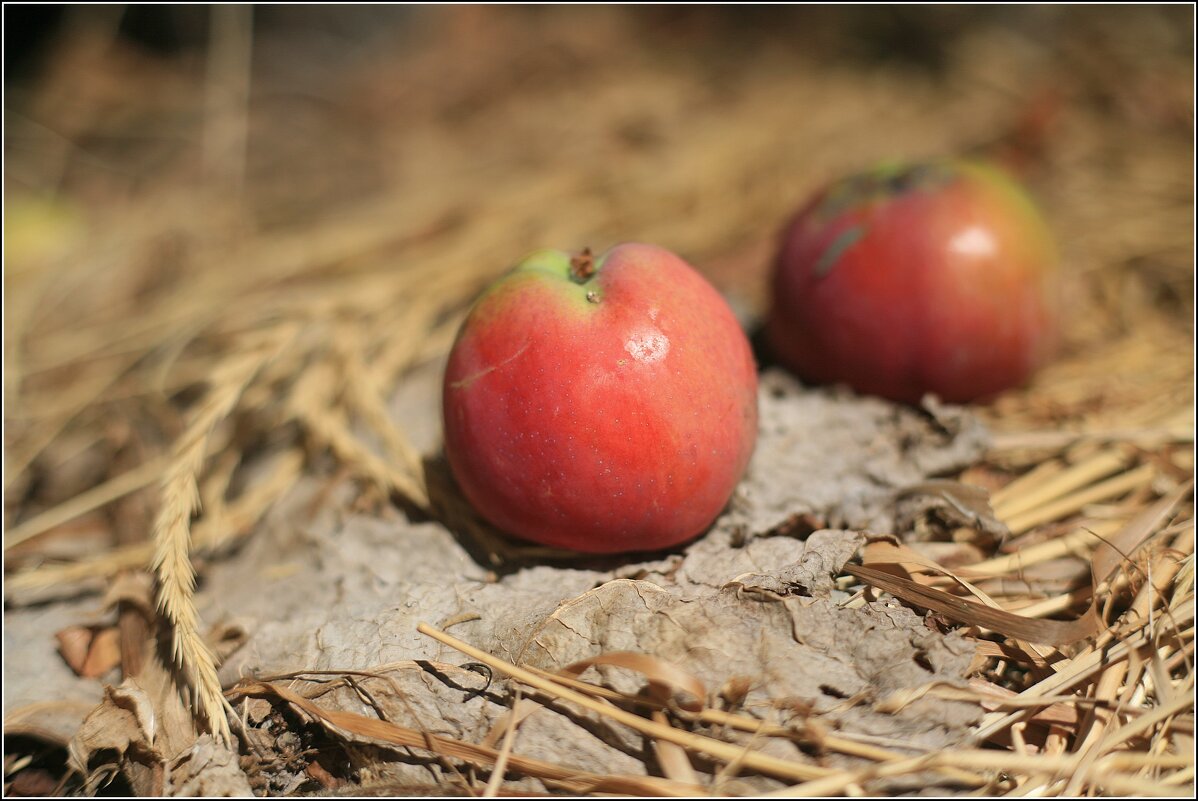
(582, 266)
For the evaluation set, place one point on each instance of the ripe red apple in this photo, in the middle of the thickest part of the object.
(600, 405)
(930, 277)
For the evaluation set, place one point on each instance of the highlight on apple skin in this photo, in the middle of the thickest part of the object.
(601, 405)
(930, 277)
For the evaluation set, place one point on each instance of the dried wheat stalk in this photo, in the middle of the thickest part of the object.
(172, 529)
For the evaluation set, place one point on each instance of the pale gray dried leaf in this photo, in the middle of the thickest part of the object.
(947, 505)
(452, 701)
(436, 697)
(801, 650)
(207, 769)
(823, 554)
(719, 556)
(358, 589)
(567, 735)
(842, 458)
(954, 438)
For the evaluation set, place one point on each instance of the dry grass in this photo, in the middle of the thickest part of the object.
(191, 317)
(180, 498)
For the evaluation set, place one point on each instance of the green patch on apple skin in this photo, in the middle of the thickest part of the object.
(843, 241)
(578, 270)
(542, 271)
(551, 262)
(884, 181)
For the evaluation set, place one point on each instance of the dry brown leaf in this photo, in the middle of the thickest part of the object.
(382, 731)
(123, 724)
(1108, 557)
(91, 651)
(1049, 632)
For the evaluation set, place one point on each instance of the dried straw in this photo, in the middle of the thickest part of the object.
(172, 529)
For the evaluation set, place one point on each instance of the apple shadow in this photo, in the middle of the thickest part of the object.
(763, 354)
(500, 553)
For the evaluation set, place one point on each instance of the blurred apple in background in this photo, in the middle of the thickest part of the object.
(936, 277)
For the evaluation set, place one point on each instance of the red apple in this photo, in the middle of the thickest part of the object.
(600, 405)
(931, 277)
